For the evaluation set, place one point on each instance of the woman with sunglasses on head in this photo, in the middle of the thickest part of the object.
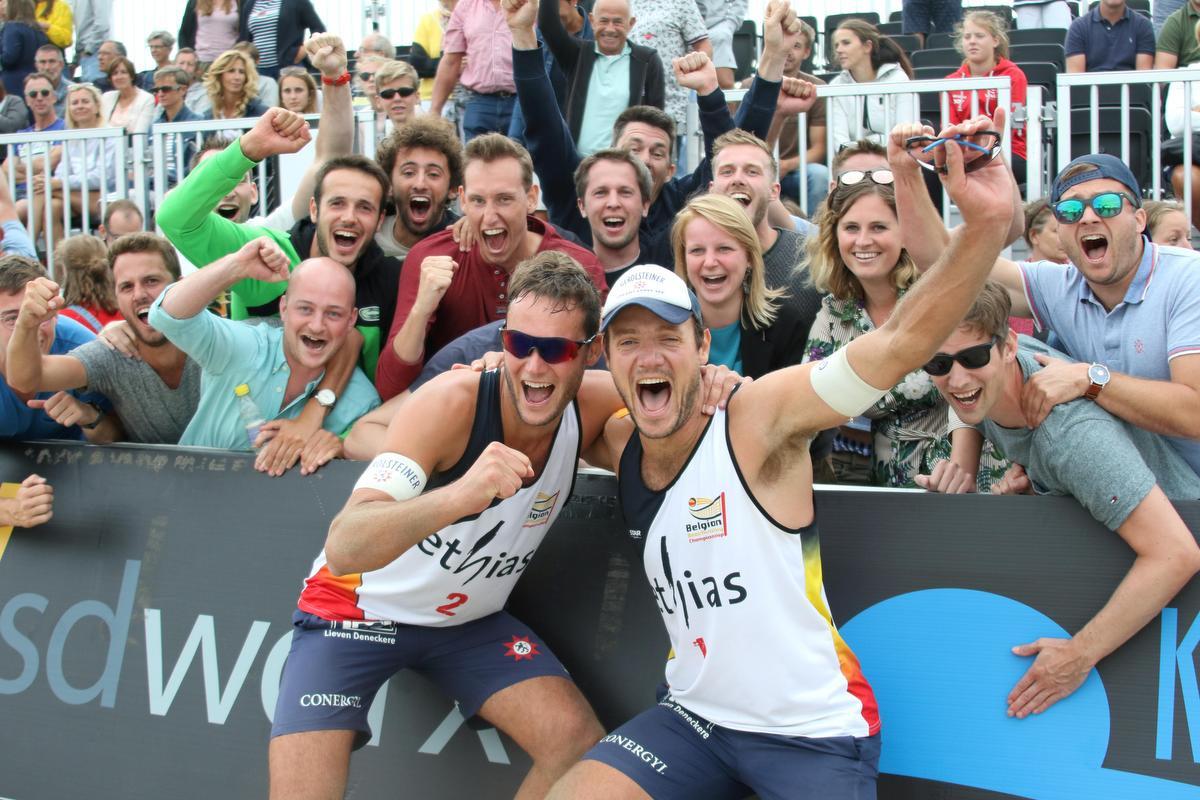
(867, 56)
(90, 163)
(982, 38)
(718, 254)
(859, 260)
(298, 91)
(232, 86)
(126, 106)
(396, 86)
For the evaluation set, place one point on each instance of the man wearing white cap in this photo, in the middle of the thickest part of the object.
(763, 695)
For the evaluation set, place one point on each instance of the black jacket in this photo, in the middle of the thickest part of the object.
(576, 58)
(295, 16)
(778, 346)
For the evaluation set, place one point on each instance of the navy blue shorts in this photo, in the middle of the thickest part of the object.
(334, 669)
(672, 753)
(919, 16)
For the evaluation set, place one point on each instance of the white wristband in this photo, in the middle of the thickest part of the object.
(395, 475)
(836, 382)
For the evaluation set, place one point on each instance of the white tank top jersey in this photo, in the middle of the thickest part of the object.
(466, 570)
(755, 647)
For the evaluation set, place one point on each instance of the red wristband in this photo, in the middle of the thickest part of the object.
(341, 80)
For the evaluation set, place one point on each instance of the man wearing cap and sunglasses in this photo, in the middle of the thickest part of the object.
(437, 532)
(764, 695)
(1127, 309)
(1123, 475)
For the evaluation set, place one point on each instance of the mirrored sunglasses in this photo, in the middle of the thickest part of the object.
(1106, 205)
(552, 349)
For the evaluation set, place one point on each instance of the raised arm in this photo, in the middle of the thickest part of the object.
(389, 511)
(335, 133)
(260, 260)
(564, 46)
(798, 399)
(27, 370)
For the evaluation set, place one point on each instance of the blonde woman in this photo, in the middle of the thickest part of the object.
(718, 253)
(859, 261)
(298, 91)
(90, 163)
(232, 86)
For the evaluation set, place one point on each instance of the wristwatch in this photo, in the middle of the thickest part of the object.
(1099, 375)
(99, 416)
(326, 398)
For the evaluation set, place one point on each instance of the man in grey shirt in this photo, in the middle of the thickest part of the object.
(1120, 474)
(155, 394)
(93, 20)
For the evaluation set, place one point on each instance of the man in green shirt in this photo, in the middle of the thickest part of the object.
(1177, 45)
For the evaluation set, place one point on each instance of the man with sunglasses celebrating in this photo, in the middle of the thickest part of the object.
(435, 535)
(1123, 475)
(1127, 309)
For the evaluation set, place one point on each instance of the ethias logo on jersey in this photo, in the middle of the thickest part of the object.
(542, 508)
(710, 518)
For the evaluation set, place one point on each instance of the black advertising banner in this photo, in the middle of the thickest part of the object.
(143, 631)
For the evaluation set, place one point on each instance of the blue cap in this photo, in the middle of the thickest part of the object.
(1104, 166)
(655, 288)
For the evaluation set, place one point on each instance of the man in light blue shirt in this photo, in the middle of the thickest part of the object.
(607, 97)
(281, 365)
(1126, 308)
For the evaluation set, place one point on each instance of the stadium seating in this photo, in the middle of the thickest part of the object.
(946, 57)
(1037, 36)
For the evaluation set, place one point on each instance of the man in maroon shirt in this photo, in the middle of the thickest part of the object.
(444, 292)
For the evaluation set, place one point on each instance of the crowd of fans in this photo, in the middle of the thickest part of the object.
(552, 135)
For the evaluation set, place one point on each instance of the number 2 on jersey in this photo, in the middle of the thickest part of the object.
(456, 599)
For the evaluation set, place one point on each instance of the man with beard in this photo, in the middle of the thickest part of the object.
(155, 395)
(445, 292)
(423, 158)
(731, 548)
(744, 168)
(279, 367)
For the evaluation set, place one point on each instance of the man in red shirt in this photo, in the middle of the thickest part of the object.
(444, 292)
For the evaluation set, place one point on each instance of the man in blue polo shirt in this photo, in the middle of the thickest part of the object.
(281, 365)
(1112, 36)
(1126, 308)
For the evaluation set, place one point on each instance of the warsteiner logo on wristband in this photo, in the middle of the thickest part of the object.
(395, 475)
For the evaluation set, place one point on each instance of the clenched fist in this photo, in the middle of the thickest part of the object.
(499, 472)
(42, 301)
(436, 274)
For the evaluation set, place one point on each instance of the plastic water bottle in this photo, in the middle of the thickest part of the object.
(252, 418)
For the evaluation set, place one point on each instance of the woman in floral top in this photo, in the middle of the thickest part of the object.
(858, 260)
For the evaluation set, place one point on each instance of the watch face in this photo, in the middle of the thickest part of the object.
(1098, 373)
(326, 397)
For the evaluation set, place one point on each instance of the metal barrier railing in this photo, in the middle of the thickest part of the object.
(169, 140)
(1155, 79)
(104, 149)
(1031, 117)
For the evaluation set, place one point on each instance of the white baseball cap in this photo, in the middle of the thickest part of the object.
(656, 289)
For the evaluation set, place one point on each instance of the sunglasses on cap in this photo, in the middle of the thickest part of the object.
(552, 349)
(35, 93)
(1106, 205)
(978, 149)
(971, 358)
(403, 91)
(851, 177)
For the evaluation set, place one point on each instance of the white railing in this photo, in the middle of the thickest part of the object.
(173, 139)
(114, 178)
(1032, 117)
(1154, 78)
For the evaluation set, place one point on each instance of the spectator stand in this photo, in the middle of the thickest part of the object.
(1137, 135)
(70, 139)
(1031, 117)
(290, 167)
